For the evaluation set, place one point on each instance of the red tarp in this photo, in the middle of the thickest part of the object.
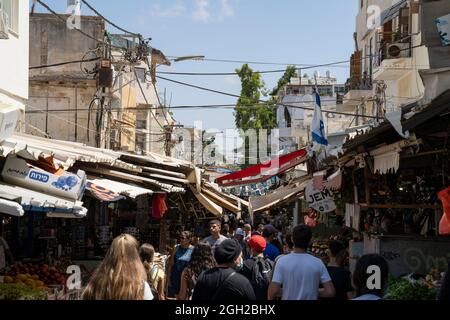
(264, 171)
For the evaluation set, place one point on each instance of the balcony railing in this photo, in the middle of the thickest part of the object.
(361, 83)
(392, 45)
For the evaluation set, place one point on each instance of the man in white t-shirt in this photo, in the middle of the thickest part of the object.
(215, 239)
(299, 275)
(5, 253)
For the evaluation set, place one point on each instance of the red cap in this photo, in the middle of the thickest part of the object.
(257, 243)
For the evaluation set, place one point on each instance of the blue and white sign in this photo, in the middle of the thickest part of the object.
(37, 176)
(443, 25)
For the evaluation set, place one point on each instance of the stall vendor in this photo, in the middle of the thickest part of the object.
(5, 253)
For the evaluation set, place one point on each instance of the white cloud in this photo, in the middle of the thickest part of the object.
(176, 10)
(202, 11)
(225, 10)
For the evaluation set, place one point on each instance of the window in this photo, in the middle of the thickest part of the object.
(141, 124)
(141, 74)
(11, 9)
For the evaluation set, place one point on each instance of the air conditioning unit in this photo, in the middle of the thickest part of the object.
(398, 50)
(4, 25)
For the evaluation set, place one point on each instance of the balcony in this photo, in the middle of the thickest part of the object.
(394, 59)
(356, 90)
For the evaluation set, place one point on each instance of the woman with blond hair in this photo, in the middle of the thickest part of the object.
(155, 274)
(121, 275)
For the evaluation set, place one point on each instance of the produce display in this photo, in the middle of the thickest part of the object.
(17, 291)
(319, 249)
(408, 289)
(34, 276)
(434, 278)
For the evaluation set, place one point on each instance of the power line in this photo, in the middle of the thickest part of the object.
(63, 63)
(109, 21)
(261, 63)
(305, 67)
(257, 72)
(146, 101)
(261, 101)
(80, 31)
(156, 91)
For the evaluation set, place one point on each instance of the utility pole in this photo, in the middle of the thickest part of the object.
(104, 81)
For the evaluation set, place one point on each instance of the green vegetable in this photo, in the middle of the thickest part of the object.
(20, 292)
(403, 289)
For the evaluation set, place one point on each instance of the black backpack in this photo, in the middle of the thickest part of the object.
(261, 275)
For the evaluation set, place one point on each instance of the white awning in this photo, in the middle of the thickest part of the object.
(125, 189)
(279, 196)
(41, 202)
(11, 208)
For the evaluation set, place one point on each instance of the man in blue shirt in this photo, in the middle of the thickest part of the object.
(269, 233)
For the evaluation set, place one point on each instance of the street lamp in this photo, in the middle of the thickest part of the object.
(184, 58)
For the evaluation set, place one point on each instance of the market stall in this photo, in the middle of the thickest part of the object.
(392, 178)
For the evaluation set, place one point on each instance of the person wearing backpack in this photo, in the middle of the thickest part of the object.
(223, 282)
(258, 269)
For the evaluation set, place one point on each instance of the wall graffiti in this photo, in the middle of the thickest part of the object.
(416, 259)
(390, 256)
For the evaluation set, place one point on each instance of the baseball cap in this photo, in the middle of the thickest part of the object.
(257, 243)
(240, 232)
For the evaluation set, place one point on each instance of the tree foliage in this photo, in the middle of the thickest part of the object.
(250, 113)
(290, 72)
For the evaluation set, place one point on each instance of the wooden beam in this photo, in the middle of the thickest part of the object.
(221, 201)
(158, 176)
(166, 172)
(366, 184)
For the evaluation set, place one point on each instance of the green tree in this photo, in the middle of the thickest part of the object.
(250, 113)
(290, 72)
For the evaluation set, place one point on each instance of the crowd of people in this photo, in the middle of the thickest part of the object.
(245, 265)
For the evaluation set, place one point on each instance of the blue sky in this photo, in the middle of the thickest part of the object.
(285, 31)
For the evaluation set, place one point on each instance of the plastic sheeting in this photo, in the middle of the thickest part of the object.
(387, 162)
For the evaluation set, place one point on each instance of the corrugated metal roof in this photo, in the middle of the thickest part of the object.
(65, 153)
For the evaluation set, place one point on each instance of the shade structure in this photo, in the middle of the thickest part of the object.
(264, 171)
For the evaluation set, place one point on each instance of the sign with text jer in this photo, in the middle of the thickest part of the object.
(319, 200)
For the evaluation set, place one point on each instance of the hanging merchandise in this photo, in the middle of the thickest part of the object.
(311, 219)
(320, 200)
(444, 225)
(159, 207)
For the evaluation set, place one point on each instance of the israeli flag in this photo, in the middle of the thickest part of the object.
(318, 127)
